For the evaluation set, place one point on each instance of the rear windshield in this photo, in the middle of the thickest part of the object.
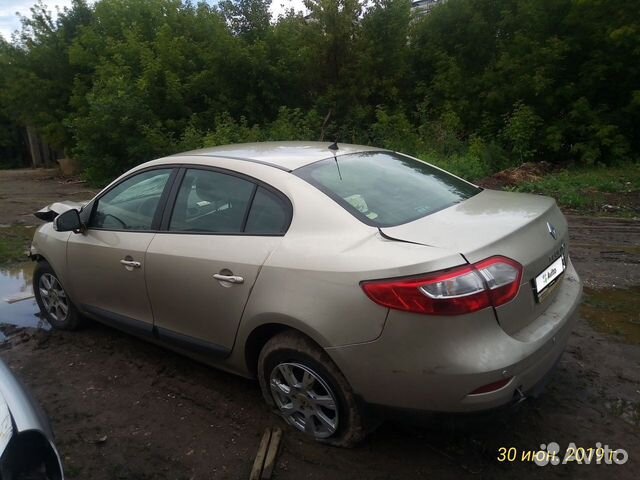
(385, 189)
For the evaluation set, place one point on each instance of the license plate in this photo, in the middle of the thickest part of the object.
(549, 275)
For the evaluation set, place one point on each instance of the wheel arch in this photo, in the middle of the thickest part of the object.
(38, 257)
(353, 427)
(261, 334)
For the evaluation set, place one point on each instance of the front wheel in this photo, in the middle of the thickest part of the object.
(53, 301)
(306, 388)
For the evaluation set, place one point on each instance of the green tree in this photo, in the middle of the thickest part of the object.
(521, 131)
(248, 18)
(490, 82)
(37, 76)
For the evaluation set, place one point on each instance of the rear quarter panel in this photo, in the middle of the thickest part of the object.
(313, 283)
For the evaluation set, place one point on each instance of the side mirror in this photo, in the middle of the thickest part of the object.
(69, 221)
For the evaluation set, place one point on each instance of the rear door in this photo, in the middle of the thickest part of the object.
(107, 263)
(202, 266)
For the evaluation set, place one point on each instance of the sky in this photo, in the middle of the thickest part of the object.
(9, 21)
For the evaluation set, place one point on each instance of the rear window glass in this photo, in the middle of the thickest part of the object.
(386, 189)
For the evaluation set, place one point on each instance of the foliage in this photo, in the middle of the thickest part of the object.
(246, 17)
(521, 130)
(475, 86)
(613, 190)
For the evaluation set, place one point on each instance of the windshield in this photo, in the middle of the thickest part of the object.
(385, 189)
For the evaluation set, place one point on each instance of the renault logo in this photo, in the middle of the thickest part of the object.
(552, 231)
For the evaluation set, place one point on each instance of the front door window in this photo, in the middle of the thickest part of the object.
(132, 204)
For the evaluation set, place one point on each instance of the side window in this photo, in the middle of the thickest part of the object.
(211, 202)
(269, 213)
(132, 204)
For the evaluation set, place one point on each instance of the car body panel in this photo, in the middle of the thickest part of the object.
(49, 212)
(499, 223)
(186, 298)
(443, 359)
(52, 245)
(285, 155)
(512, 223)
(334, 272)
(100, 283)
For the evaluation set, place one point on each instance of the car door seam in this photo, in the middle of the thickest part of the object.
(244, 307)
(154, 330)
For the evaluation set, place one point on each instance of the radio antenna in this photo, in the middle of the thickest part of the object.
(334, 148)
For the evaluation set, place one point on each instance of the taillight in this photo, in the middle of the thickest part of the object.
(490, 282)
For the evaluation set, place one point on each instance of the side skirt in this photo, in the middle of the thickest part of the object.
(171, 339)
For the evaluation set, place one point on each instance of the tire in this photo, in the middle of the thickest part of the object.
(46, 280)
(318, 385)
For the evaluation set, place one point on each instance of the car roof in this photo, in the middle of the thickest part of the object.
(283, 155)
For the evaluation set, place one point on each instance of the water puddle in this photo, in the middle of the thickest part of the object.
(614, 311)
(18, 307)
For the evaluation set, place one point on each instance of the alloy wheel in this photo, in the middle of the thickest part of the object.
(53, 296)
(304, 399)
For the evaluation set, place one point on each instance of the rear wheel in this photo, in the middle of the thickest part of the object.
(55, 305)
(306, 388)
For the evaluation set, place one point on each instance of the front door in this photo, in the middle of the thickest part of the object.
(107, 263)
(201, 270)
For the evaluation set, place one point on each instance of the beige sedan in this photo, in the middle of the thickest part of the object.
(343, 277)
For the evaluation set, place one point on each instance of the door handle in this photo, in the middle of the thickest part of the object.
(228, 278)
(130, 263)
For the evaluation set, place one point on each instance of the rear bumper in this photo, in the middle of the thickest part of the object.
(433, 363)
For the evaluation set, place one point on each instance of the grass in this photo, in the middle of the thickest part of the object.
(614, 311)
(613, 191)
(14, 242)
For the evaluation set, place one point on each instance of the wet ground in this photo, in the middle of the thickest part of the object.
(18, 307)
(25, 191)
(126, 409)
(614, 312)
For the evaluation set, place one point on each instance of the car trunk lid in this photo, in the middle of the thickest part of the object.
(527, 228)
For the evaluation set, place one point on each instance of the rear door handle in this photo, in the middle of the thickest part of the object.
(228, 278)
(130, 263)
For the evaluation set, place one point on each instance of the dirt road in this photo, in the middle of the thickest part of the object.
(125, 409)
(25, 191)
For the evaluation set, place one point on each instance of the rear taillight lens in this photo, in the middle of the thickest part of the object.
(491, 282)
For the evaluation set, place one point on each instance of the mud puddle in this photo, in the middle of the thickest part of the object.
(614, 311)
(18, 308)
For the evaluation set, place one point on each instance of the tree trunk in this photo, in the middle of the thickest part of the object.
(34, 147)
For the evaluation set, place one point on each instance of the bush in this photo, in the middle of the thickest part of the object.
(469, 166)
(394, 131)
